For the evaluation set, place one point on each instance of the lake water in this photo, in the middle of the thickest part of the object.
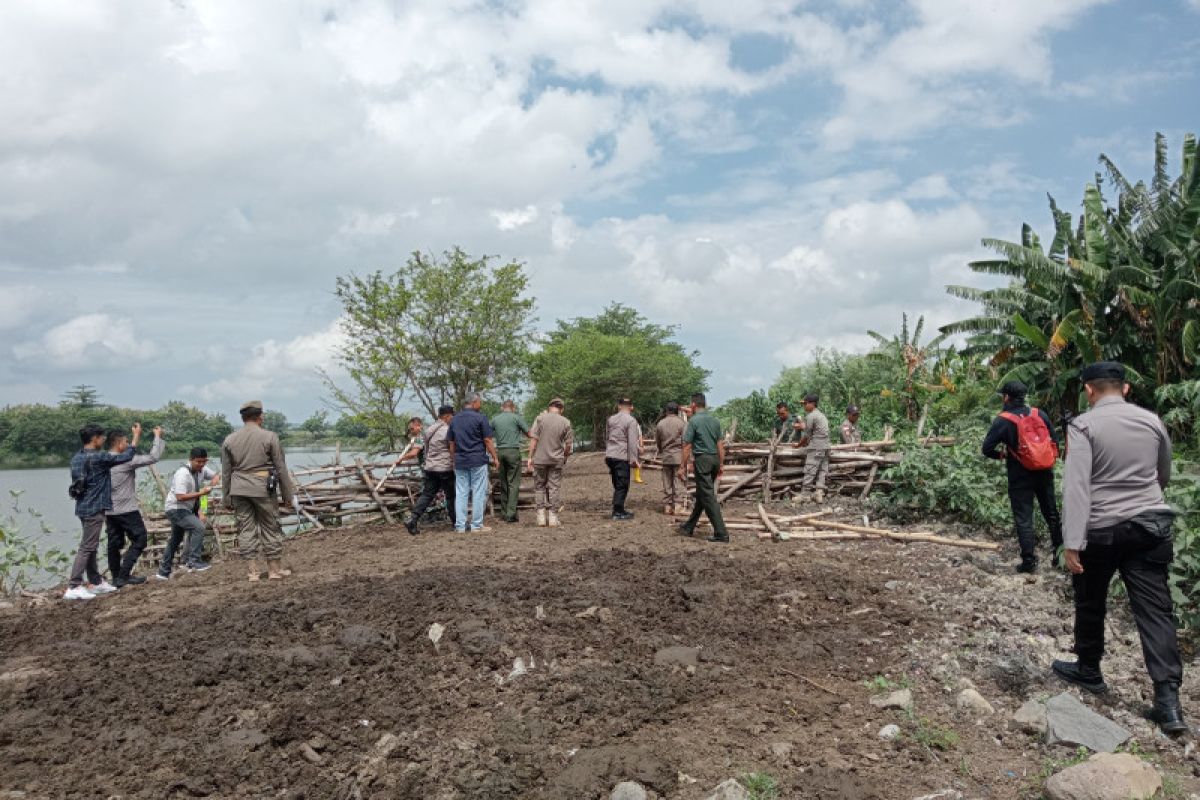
(45, 491)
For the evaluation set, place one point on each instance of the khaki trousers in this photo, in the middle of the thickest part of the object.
(816, 467)
(259, 533)
(547, 484)
(673, 486)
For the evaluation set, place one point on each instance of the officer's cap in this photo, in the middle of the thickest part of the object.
(1014, 389)
(852, 409)
(812, 398)
(1103, 371)
(557, 402)
(625, 401)
(251, 405)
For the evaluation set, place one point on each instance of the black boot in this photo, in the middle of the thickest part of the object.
(716, 538)
(1085, 676)
(1167, 711)
(1028, 564)
(411, 526)
(684, 530)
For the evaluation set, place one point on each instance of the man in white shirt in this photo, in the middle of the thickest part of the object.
(183, 511)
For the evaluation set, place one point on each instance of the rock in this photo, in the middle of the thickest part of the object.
(1015, 672)
(1070, 722)
(590, 611)
(605, 615)
(678, 654)
(1031, 717)
(889, 732)
(1105, 776)
(628, 790)
(973, 701)
(892, 586)
(901, 699)
(781, 750)
(728, 790)
(310, 755)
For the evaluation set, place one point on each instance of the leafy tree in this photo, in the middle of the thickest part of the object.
(438, 328)
(1123, 284)
(351, 427)
(276, 422)
(81, 396)
(316, 424)
(590, 362)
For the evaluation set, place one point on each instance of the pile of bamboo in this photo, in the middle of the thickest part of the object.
(813, 527)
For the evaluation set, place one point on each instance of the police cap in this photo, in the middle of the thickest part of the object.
(1103, 371)
(251, 405)
(1014, 389)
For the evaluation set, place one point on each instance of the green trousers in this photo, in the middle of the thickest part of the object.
(510, 481)
(706, 467)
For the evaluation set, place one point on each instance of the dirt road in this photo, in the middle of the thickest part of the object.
(571, 660)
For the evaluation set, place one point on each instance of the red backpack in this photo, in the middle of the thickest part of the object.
(1036, 449)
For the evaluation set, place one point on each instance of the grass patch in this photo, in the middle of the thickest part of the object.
(760, 785)
(933, 737)
(881, 684)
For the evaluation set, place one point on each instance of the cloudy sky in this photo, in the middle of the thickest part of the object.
(182, 180)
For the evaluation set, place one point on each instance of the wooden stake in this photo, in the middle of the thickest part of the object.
(362, 471)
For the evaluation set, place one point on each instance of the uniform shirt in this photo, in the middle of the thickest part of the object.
(816, 430)
(124, 479)
(554, 435)
(668, 435)
(785, 427)
(418, 443)
(437, 449)
(468, 429)
(703, 432)
(94, 467)
(508, 427)
(247, 457)
(850, 433)
(624, 440)
(1004, 432)
(184, 481)
(1118, 463)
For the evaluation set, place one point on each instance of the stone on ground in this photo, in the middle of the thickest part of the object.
(678, 654)
(889, 732)
(901, 699)
(1105, 776)
(973, 701)
(1031, 717)
(628, 790)
(1070, 722)
(729, 790)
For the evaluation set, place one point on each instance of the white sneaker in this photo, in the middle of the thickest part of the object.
(78, 593)
(552, 520)
(103, 587)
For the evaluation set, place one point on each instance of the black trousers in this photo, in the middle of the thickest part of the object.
(1142, 559)
(120, 527)
(1039, 487)
(618, 470)
(435, 482)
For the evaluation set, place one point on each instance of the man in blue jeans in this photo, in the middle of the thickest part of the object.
(472, 442)
(183, 511)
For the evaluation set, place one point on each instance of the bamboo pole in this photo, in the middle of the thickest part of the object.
(919, 536)
(362, 471)
(726, 494)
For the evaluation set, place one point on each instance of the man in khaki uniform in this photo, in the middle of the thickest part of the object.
(550, 441)
(816, 439)
(668, 436)
(248, 458)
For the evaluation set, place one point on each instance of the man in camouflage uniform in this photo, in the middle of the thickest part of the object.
(786, 426)
(816, 439)
(849, 430)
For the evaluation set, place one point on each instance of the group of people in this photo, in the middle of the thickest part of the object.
(1115, 520)
(1118, 461)
(104, 487)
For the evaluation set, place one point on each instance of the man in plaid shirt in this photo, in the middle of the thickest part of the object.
(90, 474)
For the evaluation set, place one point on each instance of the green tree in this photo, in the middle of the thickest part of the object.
(317, 424)
(439, 328)
(81, 396)
(276, 422)
(351, 427)
(590, 362)
(1123, 284)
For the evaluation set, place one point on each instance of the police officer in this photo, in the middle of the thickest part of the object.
(702, 442)
(1117, 521)
(1024, 485)
(816, 438)
(248, 459)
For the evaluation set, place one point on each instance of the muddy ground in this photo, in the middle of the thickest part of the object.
(327, 685)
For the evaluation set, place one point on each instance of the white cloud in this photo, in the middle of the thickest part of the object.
(515, 218)
(273, 369)
(89, 341)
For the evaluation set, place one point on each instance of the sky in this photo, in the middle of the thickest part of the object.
(181, 181)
